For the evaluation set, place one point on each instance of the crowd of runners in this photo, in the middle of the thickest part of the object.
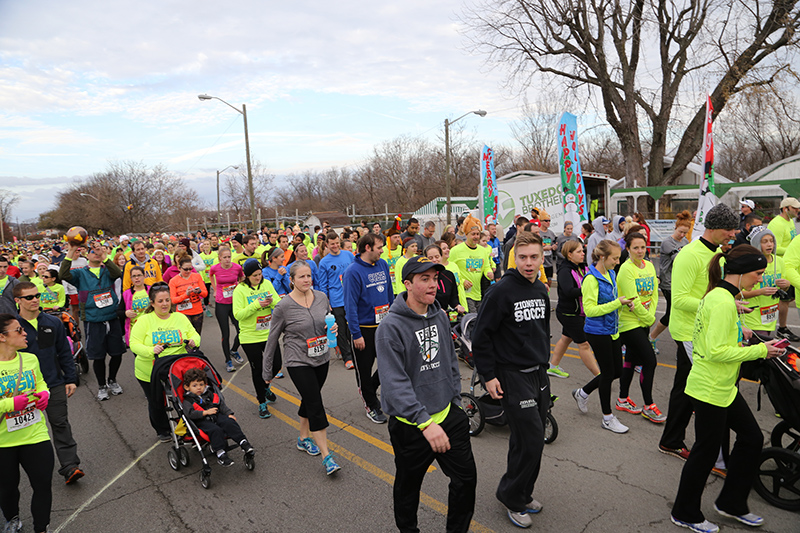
(383, 299)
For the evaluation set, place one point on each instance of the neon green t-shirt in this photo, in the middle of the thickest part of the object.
(473, 264)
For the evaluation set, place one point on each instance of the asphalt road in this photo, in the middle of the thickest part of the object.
(591, 480)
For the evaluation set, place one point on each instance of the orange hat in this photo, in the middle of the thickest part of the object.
(395, 229)
(469, 223)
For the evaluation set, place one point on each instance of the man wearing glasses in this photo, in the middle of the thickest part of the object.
(548, 244)
(95, 284)
(7, 284)
(47, 340)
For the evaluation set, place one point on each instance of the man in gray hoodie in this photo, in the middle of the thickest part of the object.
(599, 224)
(421, 388)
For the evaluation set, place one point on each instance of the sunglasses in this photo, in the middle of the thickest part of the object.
(17, 329)
(187, 269)
(31, 297)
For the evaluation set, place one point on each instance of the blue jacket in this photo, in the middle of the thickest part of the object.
(331, 276)
(314, 271)
(50, 345)
(281, 283)
(367, 289)
(606, 292)
(497, 250)
(96, 293)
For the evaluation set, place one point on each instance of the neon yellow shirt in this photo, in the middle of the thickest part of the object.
(254, 320)
(642, 283)
(150, 330)
(784, 233)
(473, 264)
(31, 381)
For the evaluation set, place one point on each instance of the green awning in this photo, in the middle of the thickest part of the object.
(791, 187)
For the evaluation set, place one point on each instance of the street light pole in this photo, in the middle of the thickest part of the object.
(243, 112)
(219, 211)
(447, 124)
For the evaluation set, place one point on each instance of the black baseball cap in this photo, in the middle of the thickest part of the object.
(419, 264)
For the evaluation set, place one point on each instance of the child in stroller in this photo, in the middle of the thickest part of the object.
(207, 409)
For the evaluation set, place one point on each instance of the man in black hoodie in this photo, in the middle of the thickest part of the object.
(511, 348)
(421, 391)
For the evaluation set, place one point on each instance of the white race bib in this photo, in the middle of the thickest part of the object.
(184, 305)
(29, 416)
(769, 314)
(103, 299)
(262, 323)
(227, 292)
(380, 313)
(317, 346)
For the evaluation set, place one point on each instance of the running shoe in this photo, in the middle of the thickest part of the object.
(102, 393)
(73, 476)
(114, 387)
(786, 333)
(270, 395)
(720, 472)
(377, 416)
(307, 445)
(614, 425)
(13, 526)
(208, 312)
(534, 507)
(238, 359)
(330, 464)
(349, 365)
(680, 453)
(557, 372)
(748, 519)
(627, 404)
(279, 375)
(638, 369)
(654, 414)
(164, 437)
(224, 460)
(229, 366)
(521, 519)
(247, 448)
(583, 403)
(653, 344)
(700, 527)
(263, 411)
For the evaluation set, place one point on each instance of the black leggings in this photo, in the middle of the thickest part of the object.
(309, 381)
(223, 312)
(156, 409)
(255, 354)
(208, 294)
(38, 461)
(638, 351)
(609, 358)
(668, 298)
(99, 367)
(197, 322)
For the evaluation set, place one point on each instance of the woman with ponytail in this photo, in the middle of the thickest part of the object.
(718, 405)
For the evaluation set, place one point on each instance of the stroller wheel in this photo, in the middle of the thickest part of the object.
(550, 428)
(474, 413)
(183, 456)
(778, 480)
(205, 479)
(785, 436)
(172, 457)
(249, 461)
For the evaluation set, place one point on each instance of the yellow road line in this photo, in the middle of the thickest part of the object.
(381, 474)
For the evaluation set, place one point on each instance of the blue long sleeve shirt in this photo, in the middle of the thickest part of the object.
(282, 283)
(367, 294)
(331, 276)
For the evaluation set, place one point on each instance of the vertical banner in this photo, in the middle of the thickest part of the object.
(569, 166)
(707, 198)
(488, 185)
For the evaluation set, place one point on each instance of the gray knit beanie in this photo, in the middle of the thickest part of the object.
(721, 217)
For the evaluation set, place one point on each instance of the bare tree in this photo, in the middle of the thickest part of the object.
(602, 48)
(8, 200)
(236, 193)
(536, 135)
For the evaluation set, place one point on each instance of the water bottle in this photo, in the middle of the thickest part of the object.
(330, 321)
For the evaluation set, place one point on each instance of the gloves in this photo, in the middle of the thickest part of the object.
(43, 399)
(20, 402)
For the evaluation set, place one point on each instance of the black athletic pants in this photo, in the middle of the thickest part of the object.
(255, 354)
(216, 431)
(711, 423)
(64, 442)
(343, 336)
(367, 381)
(667, 298)
(37, 460)
(679, 411)
(309, 381)
(197, 322)
(155, 409)
(526, 400)
(412, 457)
(224, 312)
(609, 358)
(638, 351)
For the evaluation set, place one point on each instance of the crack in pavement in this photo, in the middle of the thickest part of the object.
(613, 475)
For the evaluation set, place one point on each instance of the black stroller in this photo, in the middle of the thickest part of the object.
(480, 407)
(167, 379)
(778, 480)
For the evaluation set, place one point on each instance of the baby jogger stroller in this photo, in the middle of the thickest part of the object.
(167, 377)
(74, 338)
(778, 480)
(480, 407)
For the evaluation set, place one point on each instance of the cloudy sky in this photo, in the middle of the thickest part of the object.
(86, 82)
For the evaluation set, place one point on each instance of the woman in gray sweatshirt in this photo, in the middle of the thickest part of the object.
(300, 317)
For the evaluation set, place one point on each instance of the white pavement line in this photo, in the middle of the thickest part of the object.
(101, 491)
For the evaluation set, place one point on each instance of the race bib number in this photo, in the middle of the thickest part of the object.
(380, 313)
(227, 292)
(262, 322)
(29, 416)
(103, 299)
(317, 346)
(391, 275)
(495, 253)
(185, 305)
(646, 304)
(769, 314)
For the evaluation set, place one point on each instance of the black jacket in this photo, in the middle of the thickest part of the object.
(50, 345)
(569, 292)
(194, 405)
(513, 326)
(447, 290)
